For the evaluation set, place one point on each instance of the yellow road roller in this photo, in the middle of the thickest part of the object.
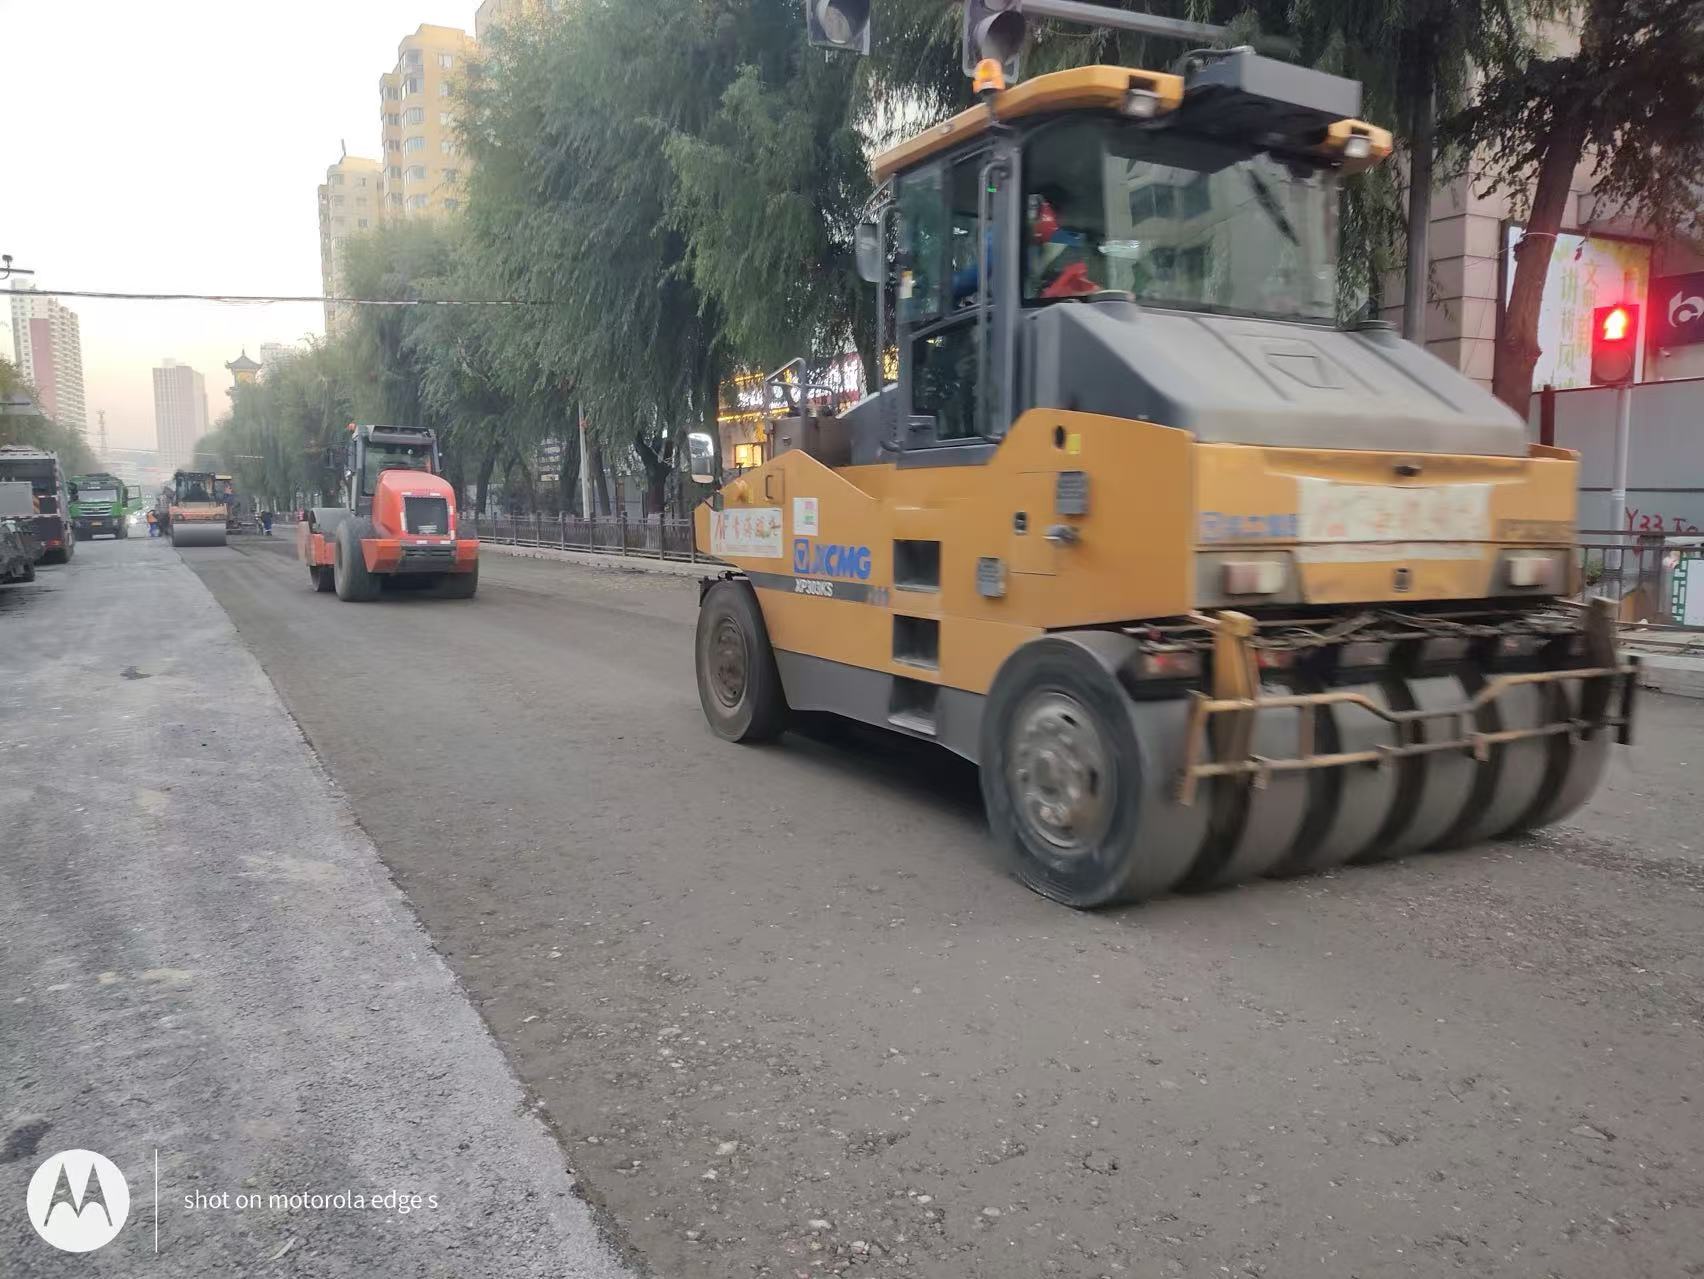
(1208, 583)
(193, 511)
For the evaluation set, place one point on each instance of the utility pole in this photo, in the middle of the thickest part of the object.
(586, 509)
(1419, 213)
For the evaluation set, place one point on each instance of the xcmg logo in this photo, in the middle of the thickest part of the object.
(78, 1200)
(812, 560)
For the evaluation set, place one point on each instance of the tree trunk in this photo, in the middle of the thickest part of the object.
(456, 473)
(568, 478)
(483, 487)
(710, 390)
(1422, 144)
(658, 462)
(1517, 348)
(864, 341)
(527, 480)
(600, 481)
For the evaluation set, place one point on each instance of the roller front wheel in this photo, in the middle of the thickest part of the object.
(1075, 777)
(739, 686)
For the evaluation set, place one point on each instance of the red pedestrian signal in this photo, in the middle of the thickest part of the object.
(1615, 343)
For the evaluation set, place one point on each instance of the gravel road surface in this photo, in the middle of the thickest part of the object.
(788, 1017)
(203, 957)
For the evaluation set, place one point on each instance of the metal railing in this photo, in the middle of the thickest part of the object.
(657, 539)
(1651, 574)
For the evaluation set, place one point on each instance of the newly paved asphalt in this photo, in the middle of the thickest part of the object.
(203, 959)
(787, 1015)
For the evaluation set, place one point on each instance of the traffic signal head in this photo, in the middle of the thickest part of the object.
(994, 29)
(1615, 343)
(839, 24)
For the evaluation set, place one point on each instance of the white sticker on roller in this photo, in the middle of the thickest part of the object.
(805, 517)
(746, 533)
(1384, 552)
(1361, 513)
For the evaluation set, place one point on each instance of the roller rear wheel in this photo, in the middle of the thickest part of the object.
(350, 576)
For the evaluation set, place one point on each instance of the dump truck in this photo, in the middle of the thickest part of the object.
(1208, 583)
(49, 520)
(398, 525)
(101, 504)
(19, 549)
(190, 510)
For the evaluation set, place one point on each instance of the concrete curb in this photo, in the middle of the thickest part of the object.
(620, 563)
(1670, 673)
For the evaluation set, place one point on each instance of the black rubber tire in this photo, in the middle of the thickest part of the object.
(321, 577)
(353, 583)
(730, 624)
(59, 555)
(459, 586)
(123, 533)
(1109, 871)
(28, 575)
(70, 548)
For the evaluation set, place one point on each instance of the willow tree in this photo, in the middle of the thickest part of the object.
(570, 205)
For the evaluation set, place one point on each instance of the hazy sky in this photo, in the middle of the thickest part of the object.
(176, 147)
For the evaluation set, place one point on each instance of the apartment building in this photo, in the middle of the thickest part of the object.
(180, 412)
(47, 342)
(350, 201)
(422, 163)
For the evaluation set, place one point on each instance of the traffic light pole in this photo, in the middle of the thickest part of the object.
(1618, 486)
(1623, 447)
(1099, 15)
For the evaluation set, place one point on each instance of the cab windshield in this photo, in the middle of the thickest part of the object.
(97, 495)
(393, 457)
(1179, 220)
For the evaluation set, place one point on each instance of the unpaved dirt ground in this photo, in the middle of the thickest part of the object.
(208, 977)
(788, 1017)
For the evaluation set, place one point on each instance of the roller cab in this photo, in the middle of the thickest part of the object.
(398, 527)
(1208, 583)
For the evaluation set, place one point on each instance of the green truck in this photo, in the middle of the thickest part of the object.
(102, 503)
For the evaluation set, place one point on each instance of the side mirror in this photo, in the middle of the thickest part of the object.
(869, 249)
(701, 458)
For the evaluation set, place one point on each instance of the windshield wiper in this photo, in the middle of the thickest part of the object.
(1269, 202)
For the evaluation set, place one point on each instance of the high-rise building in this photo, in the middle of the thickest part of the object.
(350, 201)
(423, 166)
(272, 352)
(47, 341)
(180, 412)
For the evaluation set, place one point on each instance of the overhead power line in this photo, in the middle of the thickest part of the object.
(241, 299)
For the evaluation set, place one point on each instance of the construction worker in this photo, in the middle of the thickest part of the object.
(153, 524)
(1059, 261)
